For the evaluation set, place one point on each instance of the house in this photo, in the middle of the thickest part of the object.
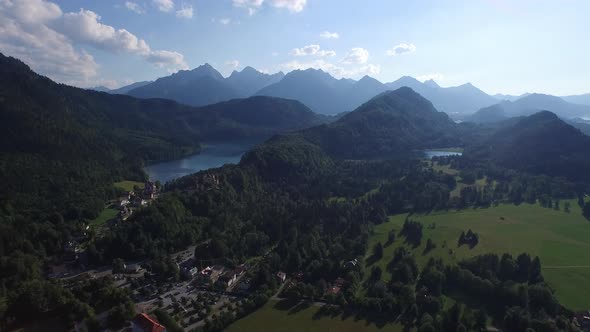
(150, 190)
(144, 323)
(226, 280)
(132, 268)
(125, 213)
(216, 271)
(281, 276)
(337, 286)
(189, 272)
(138, 201)
(351, 264)
(582, 319)
(124, 200)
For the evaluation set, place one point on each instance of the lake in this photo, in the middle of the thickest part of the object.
(440, 153)
(212, 155)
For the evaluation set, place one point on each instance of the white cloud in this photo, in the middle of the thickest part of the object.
(401, 49)
(164, 5)
(233, 64)
(329, 35)
(432, 76)
(333, 69)
(185, 12)
(84, 27)
(38, 33)
(356, 55)
(314, 50)
(168, 59)
(134, 7)
(294, 6)
(225, 21)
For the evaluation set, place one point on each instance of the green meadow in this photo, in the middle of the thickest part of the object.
(128, 185)
(560, 239)
(104, 216)
(279, 316)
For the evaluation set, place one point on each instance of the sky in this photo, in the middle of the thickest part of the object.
(501, 46)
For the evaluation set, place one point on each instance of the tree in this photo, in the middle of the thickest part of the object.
(566, 207)
(118, 265)
(391, 237)
(429, 246)
(378, 251)
(535, 271)
(586, 211)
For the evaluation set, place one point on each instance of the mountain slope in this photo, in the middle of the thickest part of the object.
(317, 89)
(125, 89)
(578, 99)
(528, 105)
(198, 87)
(540, 143)
(61, 147)
(249, 80)
(464, 99)
(393, 123)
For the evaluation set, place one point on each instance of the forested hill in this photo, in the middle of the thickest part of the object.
(541, 143)
(62, 147)
(392, 124)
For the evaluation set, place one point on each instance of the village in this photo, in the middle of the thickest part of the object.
(201, 291)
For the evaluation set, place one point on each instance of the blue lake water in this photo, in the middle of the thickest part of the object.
(437, 153)
(212, 155)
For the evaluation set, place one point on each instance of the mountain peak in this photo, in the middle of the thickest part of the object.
(431, 83)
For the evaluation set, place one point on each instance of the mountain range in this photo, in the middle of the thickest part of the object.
(528, 105)
(325, 94)
(56, 140)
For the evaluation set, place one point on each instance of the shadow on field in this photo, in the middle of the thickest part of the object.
(292, 306)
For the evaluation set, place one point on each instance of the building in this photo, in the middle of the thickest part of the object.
(125, 213)
(189, 272)
(351, 264)
(281, 276)
(132, 268)
(226, 280)
(144, 323)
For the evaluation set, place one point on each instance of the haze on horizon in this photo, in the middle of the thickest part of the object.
(498, 45)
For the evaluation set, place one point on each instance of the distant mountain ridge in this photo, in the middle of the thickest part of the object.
(540, 143)
(317, 89)
(528, 105)
(391, 125)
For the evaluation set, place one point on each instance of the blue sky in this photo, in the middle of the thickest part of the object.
(500, 46)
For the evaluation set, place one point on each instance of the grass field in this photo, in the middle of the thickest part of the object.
(561, 240)
(275, 316)
(128, 185)
(106, 215)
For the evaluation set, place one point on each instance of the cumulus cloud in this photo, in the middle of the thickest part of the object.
(84, 27)
(167, 59)
(333, 69)
(329, 35)
(314, 50)
(134, 7)
(185, 12)
(233, 64)
(294, 6)
(164, 5)
(38, 33)
(357, 55)
(401, 49)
